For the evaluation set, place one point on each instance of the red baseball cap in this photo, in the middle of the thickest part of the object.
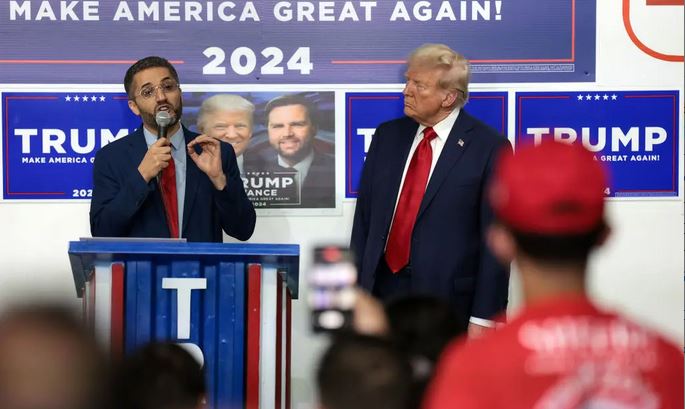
(554, 188)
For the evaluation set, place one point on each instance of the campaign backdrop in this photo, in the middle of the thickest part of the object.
(364, 111)
(50, 139)
(89, 42)
(634, 133)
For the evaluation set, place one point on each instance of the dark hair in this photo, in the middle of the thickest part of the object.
(55, 327)
(48, 316)
(143, 64)
(559, 249)
(159, 375)
(286, 100)
(421, 327)
(363, 372)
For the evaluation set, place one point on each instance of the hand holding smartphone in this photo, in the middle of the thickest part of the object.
(332, 294)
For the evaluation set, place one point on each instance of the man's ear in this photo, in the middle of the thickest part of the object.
(450, 98)
(133, 107)
(501, 243)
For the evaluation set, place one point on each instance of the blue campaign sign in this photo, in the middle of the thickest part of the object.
(303, 42)
(365, 111)
(50, 140)
(634, 133)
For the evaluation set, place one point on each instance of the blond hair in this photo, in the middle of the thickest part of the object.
(456, 67)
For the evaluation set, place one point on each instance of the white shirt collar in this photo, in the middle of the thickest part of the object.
(443, 128)
(240, 161)
(177, 139)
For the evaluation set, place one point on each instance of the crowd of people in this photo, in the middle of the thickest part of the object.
(560, 351)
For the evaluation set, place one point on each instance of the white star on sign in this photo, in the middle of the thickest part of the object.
(596, 97)
(102, 98)
(613, 97)
(605, 97)
(93, 98)
(84, 98)
(588, 97)
(67, 98)
(76, 98)
(580, 97)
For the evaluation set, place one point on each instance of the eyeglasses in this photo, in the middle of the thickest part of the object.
(167, 87)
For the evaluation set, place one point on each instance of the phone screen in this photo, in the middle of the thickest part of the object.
(332, 292)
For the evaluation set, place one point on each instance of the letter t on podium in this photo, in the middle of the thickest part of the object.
(184, 288)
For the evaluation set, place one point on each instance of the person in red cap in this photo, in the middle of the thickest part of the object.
(561, 351)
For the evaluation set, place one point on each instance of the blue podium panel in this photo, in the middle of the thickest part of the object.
(194, 294)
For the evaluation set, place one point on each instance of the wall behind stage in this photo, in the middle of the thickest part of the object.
(639, 272)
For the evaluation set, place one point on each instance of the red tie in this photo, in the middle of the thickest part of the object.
(397, 249)
(168, 184)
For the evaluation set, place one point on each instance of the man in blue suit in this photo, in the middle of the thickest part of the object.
(146, 186)
(421, 213)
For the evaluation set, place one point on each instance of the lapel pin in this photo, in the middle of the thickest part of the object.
(461, 142)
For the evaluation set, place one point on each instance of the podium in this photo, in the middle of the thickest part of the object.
(229, 304)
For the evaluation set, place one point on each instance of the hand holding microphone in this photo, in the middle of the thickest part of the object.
(158, 155)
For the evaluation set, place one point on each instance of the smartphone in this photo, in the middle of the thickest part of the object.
(332, 293)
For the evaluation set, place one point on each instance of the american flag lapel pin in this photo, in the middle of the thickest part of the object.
(461, 142)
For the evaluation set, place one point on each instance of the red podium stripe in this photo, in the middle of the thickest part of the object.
(288, 339)
(279, 341)
(117, 347)
(254, 280)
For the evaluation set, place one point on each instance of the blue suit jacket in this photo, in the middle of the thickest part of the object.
(123, 205)
(449, 256)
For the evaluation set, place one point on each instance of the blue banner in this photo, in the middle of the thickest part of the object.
(50, 140)
(301, 42)
(365, 111)
(634, 133)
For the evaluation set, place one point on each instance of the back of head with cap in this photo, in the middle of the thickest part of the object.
(552, 199)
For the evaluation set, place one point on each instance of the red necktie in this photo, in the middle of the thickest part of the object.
(168, 184)
(397, 249)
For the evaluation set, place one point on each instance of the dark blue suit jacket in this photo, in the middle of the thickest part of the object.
(123, 205)
(449, 256)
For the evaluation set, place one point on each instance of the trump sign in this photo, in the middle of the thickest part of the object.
(634, 133)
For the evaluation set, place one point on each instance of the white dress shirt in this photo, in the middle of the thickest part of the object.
(442, 129)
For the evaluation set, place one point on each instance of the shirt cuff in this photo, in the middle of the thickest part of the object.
(482, 322)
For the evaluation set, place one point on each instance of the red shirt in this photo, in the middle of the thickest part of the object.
(561, 354)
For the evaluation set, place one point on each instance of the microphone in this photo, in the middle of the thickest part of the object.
(163, 120)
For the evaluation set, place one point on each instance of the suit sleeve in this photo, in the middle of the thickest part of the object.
(492, 284)
(236, 213)
(116, 197)
(360, 226)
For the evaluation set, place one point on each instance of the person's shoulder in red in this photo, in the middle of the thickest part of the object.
(471, 371)
(667, 377)
(561, 354)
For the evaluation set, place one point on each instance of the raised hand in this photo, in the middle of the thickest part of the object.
(156, 158)
(209, 159)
